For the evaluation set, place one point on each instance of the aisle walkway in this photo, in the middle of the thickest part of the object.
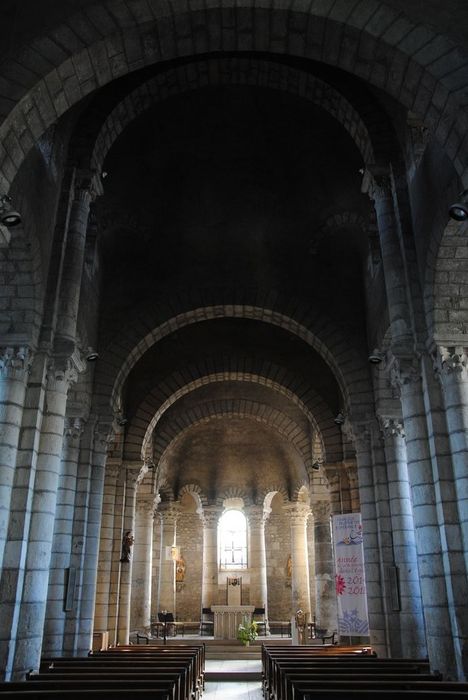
(242, 691)
(233, 665)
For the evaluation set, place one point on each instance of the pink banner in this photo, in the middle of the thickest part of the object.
(350, 576)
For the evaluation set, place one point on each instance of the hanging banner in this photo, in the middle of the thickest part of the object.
(350, 576)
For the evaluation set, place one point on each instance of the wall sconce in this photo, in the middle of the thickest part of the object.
(459, 210)
(92, 355)
(376, 357)
(340, 419)
(8, 216)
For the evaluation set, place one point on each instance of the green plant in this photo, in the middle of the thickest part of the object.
(247, 631)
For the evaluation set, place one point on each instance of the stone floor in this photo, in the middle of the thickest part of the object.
(233, 665)
(237, 691)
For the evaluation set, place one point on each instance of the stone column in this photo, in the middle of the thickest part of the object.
(86, 535)
(142, 564)
(407, 379)
(325, 593)
(452, 369)
(362, 435)
(210, 518)
(168, 512)
(257, 517)
(59, 571)
(14, 366)
(126, 564)
(353, 481)
(106, 547)
(31, 615)
(378, 184)
(85, 189)
(403, 589)
(300, 586)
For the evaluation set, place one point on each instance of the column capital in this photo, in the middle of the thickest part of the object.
(146, 505)
(169, 511)
(298, 512)
(377, 182)
(15, 361)
(391, 427)
(321, 511)
(73, 428)
(210, 515)
(450, 361)
(256, 515)
(404, 371)
(87, 186)
(63, 370)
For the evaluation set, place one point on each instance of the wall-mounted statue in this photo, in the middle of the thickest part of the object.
(289, 567)
(127, 544)
(180, 570)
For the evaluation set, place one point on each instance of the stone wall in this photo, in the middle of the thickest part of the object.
(190, 541)
(278, 548)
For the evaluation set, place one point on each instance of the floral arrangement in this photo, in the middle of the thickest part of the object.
(247, 631)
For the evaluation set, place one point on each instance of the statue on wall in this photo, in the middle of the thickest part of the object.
(180, 570)
(289, 567)
(127, 544)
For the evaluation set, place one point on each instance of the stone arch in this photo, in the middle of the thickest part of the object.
(267, 495)
(196, 492)
(329, 341)
(159, 32)
(313, 407)
(231, 71)
(237, 408)
(234, 492)
(159, 456)
(300, 493)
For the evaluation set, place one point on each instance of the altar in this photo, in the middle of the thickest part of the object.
(227, 619)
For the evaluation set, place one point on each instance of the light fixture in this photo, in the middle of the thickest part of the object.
(8, 216)
(340, 419)
(376, 357)
(317, 464)
(459, 210)
(92, 355)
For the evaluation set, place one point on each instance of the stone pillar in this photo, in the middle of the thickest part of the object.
(86, 535)
(69, 298)
(300, 586)
(452, 370)
(353, 481)
(362, 436)
(402, 580)
(168, 512)
(378, 184)
(257, 517)
(59, 572)
(142, 564)
(210, 518)
(126, 563)
(106, 547)
(14, 366)
(29, 627)
(325, 593)
(407, 379)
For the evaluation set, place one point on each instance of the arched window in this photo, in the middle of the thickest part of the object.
(232, 537)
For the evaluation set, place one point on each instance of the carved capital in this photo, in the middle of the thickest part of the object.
(404, 371)
(62, 372)
(169, 512)
(87, 186)
(210, 516)
(298, 513)
(146, 505)
(73, 428)
(321, 511)
(256, 515)
(451, 362)
(391, 427)
(15, 361)
(103, 435)
(377, 182)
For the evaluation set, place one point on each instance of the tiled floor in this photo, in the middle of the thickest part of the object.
(233, 691)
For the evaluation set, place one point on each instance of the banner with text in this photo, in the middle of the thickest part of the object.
(350, 576)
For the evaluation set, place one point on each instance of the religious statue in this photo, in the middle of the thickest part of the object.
(180, 570)
(289, 567)
(301, 622)
(127, 544)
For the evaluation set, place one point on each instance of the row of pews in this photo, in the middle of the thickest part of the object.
(123, 673)
(348, 673)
